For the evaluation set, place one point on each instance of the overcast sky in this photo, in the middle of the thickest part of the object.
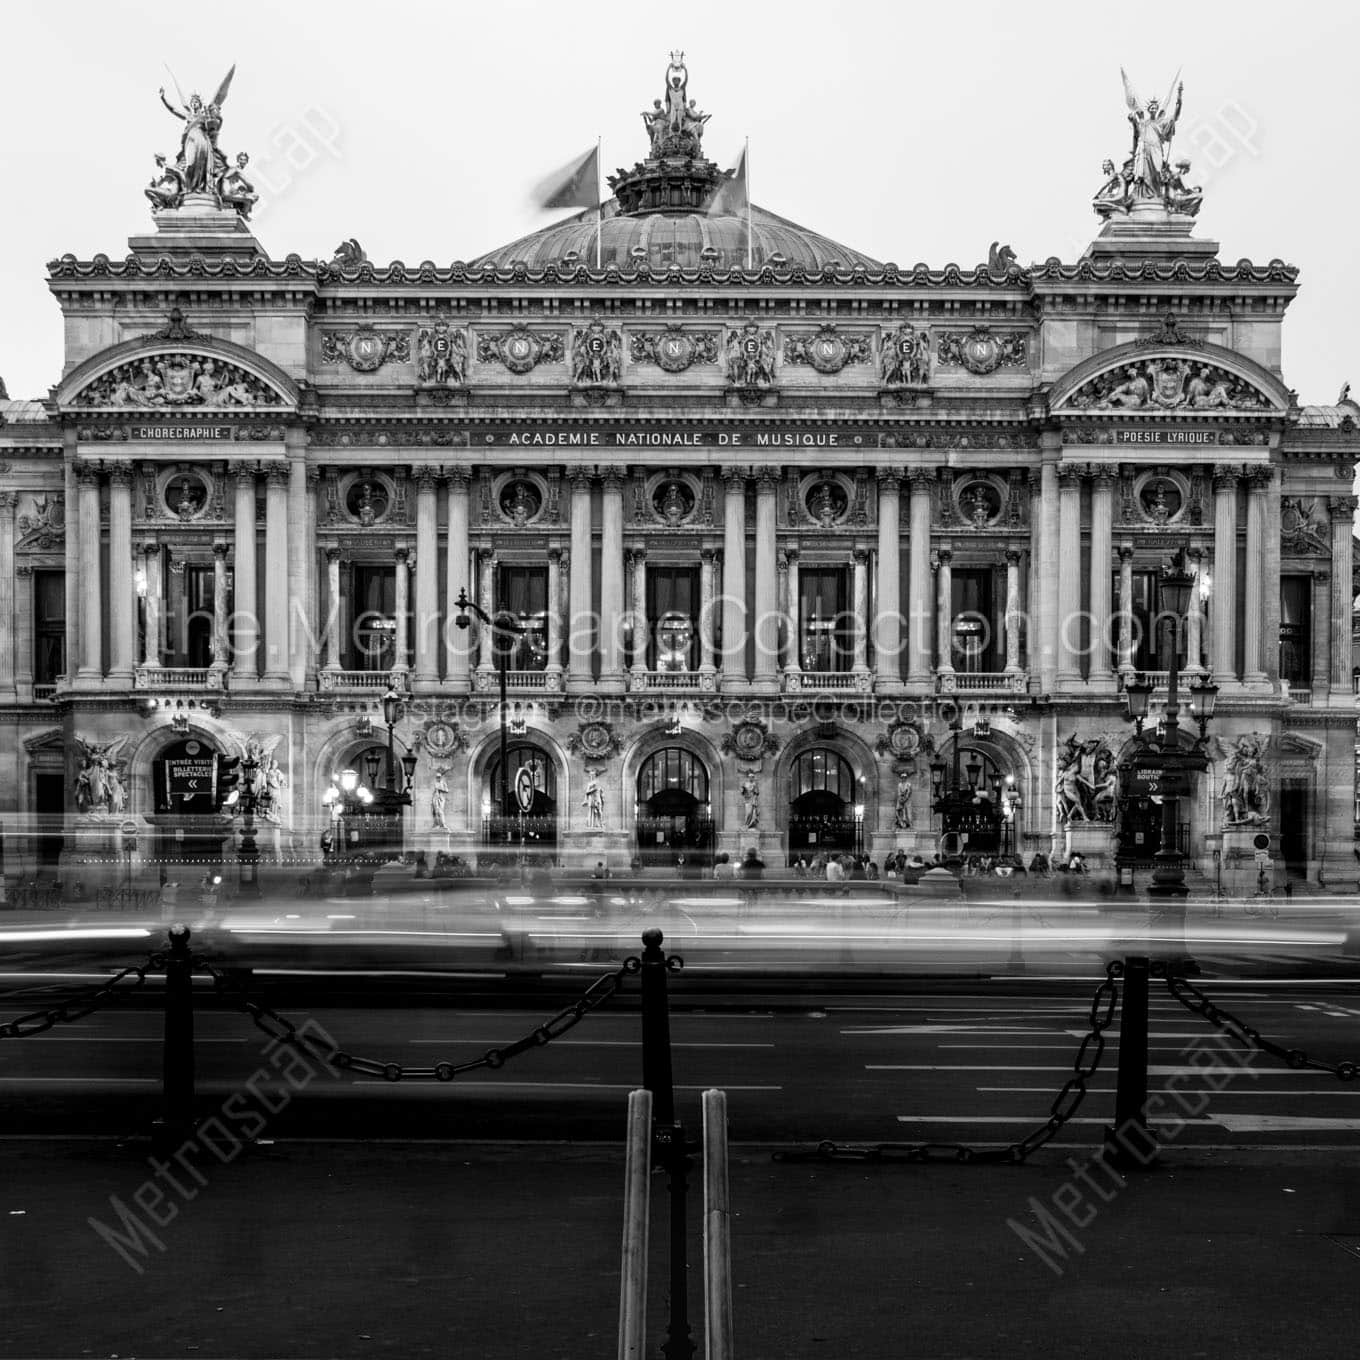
(908, 131)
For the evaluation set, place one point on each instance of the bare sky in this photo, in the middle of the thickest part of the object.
(910, 132)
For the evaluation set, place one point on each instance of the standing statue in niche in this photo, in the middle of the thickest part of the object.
(750, 803)
(593, 803)
(439, 794)
(902, 808)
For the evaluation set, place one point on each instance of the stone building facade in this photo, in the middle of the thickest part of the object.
(780, 527)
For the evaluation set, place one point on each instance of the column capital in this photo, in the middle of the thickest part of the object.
(1014, 556)
(859, 556)
(639, 554)
(791, 552)
(708, 555)
(150, 547)
(767, 478)
(1070, 475)
(1124, 552)
(1225, 476)
(942, 556)
(333, 552)
(1259, 479)
(580, 479)
(1341, 507)
(401, 554)
(276, 474)
(243, 473)
(120, 474)
(313, 476)
(87, 474)
(612, 476)
(221, 548)
(734, 478)
(460, 478)
(1195, 552)
(889, 479)
(781, 562)
(555, 555)
(485, 553)
(424, 477)
(1104, 475)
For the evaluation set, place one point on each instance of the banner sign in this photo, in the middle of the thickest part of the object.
(191, 784)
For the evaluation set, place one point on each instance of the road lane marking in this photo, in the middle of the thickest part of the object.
(555, 1085)
(1279, 1123)
(1182, 1091)
(131, 1039)
(1017, 1119)
(590, 1043)
(998, 1030)
(1154, 1069)
(82, 1081)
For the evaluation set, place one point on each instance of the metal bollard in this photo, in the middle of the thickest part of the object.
(636, 1228)
(656, 1028)
(718, 1343)
(1130, 1145)
(177, 1119)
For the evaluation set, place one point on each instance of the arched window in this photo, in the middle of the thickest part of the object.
(822, 770)
(672, 770)
(541, 771)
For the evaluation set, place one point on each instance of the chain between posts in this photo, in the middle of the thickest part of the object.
(1197, 1003)
(1065, 1104)
(282, 1030)
(83, 1003)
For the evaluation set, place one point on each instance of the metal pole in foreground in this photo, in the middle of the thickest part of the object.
(1130, 1145)
(718, 1342)
(636, 1225)
(177, 1118)
(656, 1027)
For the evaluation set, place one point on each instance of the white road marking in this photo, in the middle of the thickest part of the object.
(555, 1085)
(1013, 1119)
(1183, 1091)
(82, 1081)
(1272, 1123)
(950, 1029)
(1154, 1069)
(590, 1043)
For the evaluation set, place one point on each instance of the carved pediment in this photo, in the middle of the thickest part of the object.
(178, 380)
(1162, 383)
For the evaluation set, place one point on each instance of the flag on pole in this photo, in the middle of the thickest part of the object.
(575, 185)
(731, 195)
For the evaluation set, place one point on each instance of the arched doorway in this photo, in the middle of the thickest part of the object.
(365, 824)
(673, 812)
(972, 819)
(825, 811)
(188, 787)
(1139, 811)
(536, 828)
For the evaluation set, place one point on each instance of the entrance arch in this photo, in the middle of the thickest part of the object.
(826, 811)
(674, 810)
(537, 828)
(188, 786)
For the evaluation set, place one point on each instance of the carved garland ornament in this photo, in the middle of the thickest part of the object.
(828, 351)
(520, 349)
(177, 379)
(674, 349)
(365, 349)
(982, 350)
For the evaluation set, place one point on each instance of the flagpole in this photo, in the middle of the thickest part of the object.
(747, 157)
(599, 203)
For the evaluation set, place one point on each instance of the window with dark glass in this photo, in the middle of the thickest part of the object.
(978, 643)
(541, 774)
(824, 623)
(823, 771)
(372, 639)
(672, 771)
(1152, 627)
(1296, 630)
(49, 626)
(672, 618)
(523, 592)
(189, 615)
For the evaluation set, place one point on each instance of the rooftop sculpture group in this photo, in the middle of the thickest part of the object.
(201, 171)
(675, 125)
(1149, 177)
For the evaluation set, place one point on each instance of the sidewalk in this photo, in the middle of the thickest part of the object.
(503, 1252)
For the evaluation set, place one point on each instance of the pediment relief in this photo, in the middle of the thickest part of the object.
(175, 380)
(1171, 382)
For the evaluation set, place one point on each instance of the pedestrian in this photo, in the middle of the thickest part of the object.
(871, 871)
(722, 866)
(835, 870)
(601, 869)
(752, 866)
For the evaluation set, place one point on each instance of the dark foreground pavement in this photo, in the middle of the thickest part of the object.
(511, 1251)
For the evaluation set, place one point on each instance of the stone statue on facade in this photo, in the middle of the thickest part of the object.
(1087, 781)
(902, 808)
(675, 123)
(439, 794)
(593, 803)
(1149, 176)
(904, 357)
(201, 170)
(750, 802)
(1246, 789)
(100, 789)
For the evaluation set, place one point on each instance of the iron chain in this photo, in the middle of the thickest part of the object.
(282, 1030)
(83, 1003)
(1196, 1002)
(1065, 1104)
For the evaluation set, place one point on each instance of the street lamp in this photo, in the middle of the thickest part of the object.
(248, 858)
(955, 788)
(1160, 754)
(502, 623)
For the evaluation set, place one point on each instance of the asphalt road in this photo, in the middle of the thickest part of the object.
(978, 1063)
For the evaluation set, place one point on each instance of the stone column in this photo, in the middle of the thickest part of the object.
(1342, 510)
(276, 572)
(553, 667)
(944, 610)
(486, 597)
(706, 605)
(334, 622)
(91, 579)
(734, 582)
(1270, 569)
(220, 610)
(1069, 574)
(793, 661)
(638, 577)
(151, 643)
(1102, 521)
(427, 578)
(300, 549)
(888, 608)
(71, 558)
(402, 608)
(1046, 605)
(860, 583)
(1223, 604)
(1126, 609)
(1013, 557)
(8, 500)
(23, 631)
(245, 662)
(1194, 620)
(1254, 583)
(611, 582)
(918, 584)
(122, 626)
(580, 641)
(457, 663)
(766, 678)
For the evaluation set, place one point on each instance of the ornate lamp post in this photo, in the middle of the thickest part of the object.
(502, 624)
(248, 857)
(1165, 763)
(345, 798)
(954, 786)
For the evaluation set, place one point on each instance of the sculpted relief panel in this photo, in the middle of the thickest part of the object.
(1168, 384)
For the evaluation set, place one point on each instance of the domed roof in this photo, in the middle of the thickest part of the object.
(666, 238)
